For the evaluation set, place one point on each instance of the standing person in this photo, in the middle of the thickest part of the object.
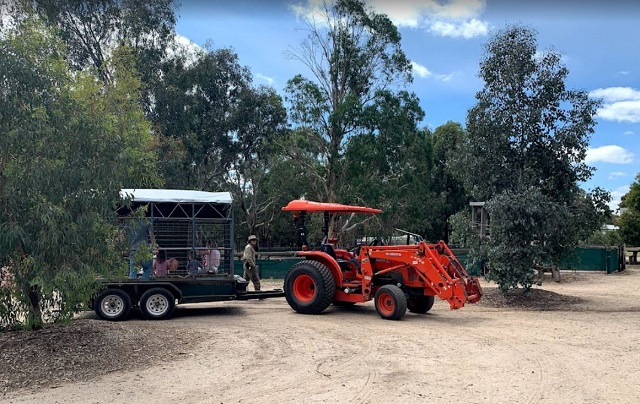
(249, 262)
(141, 246)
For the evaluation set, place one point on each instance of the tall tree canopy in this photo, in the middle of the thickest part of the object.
(356, 62)
(354, 56)
(91, 29)
(67, 146)
(524, 155)
(629, 220)
(216, 128)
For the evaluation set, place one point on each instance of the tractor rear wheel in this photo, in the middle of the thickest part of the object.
(309, 287)
(420, 304)
(391, 302)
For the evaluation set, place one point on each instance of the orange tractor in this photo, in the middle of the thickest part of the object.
(396, 277)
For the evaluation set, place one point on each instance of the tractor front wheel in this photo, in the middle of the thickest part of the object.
(309, 287)
(391, 302)
(420, 304)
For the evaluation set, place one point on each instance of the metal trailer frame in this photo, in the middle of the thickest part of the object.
(182, 221)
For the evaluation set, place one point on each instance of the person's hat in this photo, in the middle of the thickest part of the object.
(253, 237)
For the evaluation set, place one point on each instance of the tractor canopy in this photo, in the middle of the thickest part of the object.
(310, 206)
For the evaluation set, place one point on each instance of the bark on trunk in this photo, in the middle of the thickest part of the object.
(36, 312)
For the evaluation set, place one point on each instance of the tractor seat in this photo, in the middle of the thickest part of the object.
(345, 265)
(328, 249)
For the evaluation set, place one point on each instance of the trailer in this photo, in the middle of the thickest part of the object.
(182, 223)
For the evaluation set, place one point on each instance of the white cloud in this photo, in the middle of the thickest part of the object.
(185, 47)
(623, 111)
(423, 72)
(613, 94)
(410, 13)
(312, 10)
(609, 154)
(420, 70)
(453, 18)
(628, 132)
(621, 104)
(268, 79)
(616, 174)
(445, 77)
(466, 29)
(623, 72)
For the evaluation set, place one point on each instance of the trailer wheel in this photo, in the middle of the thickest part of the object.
(391, 302)
(157, 304)
(309, 287)
(420, 304)
(112, 305)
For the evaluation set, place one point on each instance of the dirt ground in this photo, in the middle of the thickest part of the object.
(577, 341)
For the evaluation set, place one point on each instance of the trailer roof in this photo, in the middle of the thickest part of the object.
(310, 206)
(175, 196)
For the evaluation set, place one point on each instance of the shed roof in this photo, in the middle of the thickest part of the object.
(175, 196)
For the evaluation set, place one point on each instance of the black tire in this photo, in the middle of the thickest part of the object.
(391, 302)
(309, 287)
(420, 304)
(157, 304)
(112, 305)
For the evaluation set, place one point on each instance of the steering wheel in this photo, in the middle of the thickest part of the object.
(355, 250)
(376, 242)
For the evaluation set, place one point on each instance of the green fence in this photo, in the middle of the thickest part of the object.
(592, 258)
(272, 268)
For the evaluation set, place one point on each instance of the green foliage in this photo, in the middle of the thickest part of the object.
(378, 161)
(196, 115)
(260, 119)
(447, 193)
(606, 238)
(67, 147)
(629, 220)
(355, 57)
(91, 29)
(527, 139)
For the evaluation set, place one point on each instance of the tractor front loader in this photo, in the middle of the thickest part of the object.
(396, 277)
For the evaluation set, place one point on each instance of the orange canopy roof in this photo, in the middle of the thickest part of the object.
(310, 206)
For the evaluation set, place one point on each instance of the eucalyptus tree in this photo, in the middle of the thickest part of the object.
(353, 54)
(389, 165)
(194, 113)
(259, 120)
(524, 156)
(355, 60)
(447, 194)
(91, 29)
(217, 129)
(67, 146)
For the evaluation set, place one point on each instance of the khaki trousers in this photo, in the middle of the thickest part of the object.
(251, 274)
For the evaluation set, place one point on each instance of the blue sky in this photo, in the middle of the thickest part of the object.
(599, 41)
